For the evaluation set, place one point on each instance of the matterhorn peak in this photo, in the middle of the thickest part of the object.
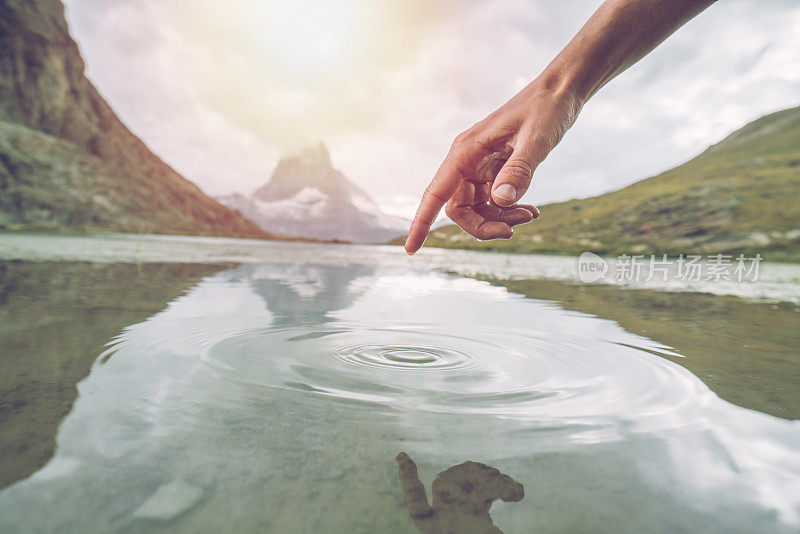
(307, 197)
(318, 152)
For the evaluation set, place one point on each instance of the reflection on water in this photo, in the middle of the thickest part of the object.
(462, 497)
(301, 294)
(55, 318)
(273, 397)
(746, 352)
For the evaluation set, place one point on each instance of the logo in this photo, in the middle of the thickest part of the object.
(591, 267)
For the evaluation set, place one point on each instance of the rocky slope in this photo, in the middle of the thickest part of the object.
(65, 157)
(739, 196)
(307, 197)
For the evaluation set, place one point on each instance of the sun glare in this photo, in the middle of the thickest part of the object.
(311, 38)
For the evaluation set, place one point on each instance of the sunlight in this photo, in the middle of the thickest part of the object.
(311, 38)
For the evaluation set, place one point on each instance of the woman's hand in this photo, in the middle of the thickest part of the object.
(490, 166)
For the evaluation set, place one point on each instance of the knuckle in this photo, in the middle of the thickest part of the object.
(463, 138)
(541, 145)
(433, 192)
(420, 222)
(470, 139)
(518, 169)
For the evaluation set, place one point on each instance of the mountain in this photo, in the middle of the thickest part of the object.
(66, 160)
(739, 196)
(307, 197)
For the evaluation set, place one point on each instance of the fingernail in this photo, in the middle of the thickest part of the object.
(506, 192)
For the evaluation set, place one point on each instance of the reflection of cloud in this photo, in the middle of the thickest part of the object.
(219, 106)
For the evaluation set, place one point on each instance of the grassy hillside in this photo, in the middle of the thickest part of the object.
(50, 183)
(740, 195)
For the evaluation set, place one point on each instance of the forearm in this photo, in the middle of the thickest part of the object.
(522, 132)
(619, 34)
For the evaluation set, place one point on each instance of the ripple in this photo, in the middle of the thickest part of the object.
(402, 356)
(526, 374)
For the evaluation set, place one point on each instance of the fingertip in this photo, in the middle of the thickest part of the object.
(532, 209)
(508, 231)
(494, 230)
(413, 243)
(504, 195)
(517, 215)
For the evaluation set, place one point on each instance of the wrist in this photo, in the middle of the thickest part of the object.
(557, 86)
(560, 83)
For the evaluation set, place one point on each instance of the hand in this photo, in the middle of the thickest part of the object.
(490, 166)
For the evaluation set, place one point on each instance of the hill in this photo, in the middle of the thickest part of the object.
(739, 196)
(307, 197)
(66, 160)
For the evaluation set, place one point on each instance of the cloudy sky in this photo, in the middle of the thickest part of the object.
(221, 90)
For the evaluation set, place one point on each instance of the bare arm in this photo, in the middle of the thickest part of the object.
(490, 166)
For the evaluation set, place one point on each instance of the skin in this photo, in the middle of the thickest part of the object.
(490, 166)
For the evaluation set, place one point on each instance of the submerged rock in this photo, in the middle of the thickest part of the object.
(169, 501)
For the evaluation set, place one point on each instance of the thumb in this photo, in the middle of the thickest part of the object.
(515, 177)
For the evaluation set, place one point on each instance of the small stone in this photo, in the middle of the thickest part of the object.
(169, 501)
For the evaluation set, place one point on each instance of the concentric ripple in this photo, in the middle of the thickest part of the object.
(529, 374)
(401, 356)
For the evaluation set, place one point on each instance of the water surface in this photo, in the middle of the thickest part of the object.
(275, 393)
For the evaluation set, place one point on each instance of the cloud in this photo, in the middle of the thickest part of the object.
(220, 90)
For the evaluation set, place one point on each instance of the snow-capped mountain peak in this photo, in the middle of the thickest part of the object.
(307, 197)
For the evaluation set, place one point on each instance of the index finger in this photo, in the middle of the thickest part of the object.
(438, 192)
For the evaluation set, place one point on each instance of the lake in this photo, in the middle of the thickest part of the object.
(185, 384)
